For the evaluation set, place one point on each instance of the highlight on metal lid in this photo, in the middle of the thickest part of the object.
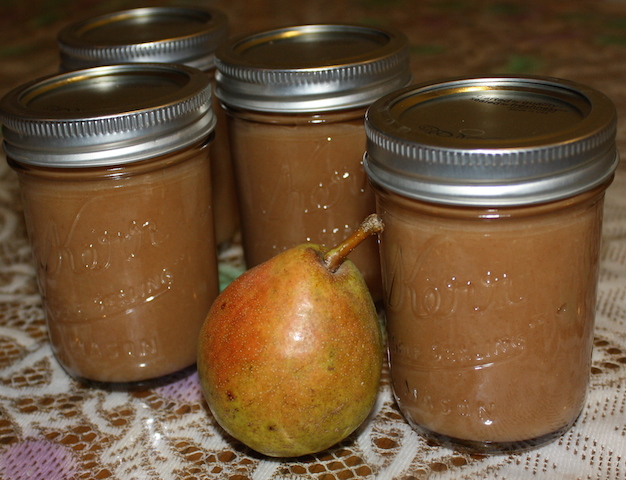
(106, 115)
(307, 68)
(188, 35)
(491, 141)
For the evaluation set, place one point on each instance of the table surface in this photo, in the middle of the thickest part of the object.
(52, 427)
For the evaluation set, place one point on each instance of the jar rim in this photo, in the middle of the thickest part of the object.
(106, 115)
(500, 140)
(305, 68)
(187, 35)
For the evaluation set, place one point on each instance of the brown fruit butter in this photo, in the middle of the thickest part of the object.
(309, 186)
(295, 100)
(119, 219)
(174, 34)
(490, 252)
(491, 314)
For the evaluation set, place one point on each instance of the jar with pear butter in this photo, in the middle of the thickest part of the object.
(491, 191)
(114, 174)
(169, 34)
(295, 99)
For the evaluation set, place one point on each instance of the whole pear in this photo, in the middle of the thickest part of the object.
(291, 352)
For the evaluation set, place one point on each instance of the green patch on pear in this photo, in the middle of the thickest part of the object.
(290, 355)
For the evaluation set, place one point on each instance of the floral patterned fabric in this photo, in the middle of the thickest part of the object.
(53, 427)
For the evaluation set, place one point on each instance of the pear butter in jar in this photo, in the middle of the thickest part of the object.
(114, 174)
(173, 34)
(491, 191)
(295, 100)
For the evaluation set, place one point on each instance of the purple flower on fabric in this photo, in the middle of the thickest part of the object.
(37, 460)
(185, 390)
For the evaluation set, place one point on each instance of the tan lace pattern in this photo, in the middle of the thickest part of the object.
(54, 427)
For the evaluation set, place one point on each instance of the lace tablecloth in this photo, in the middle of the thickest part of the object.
(52, 427)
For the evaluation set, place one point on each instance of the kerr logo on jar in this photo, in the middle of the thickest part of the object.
(95, 265)
(84, 251)
(429, 283)
(311, 190)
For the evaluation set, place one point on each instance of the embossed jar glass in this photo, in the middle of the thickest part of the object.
(295, 100)
(173, 34)
(491, 190)
(114, 174)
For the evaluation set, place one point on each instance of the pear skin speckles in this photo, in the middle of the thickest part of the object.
(290, 355)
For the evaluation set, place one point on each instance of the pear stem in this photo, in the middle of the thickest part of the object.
(335, 256)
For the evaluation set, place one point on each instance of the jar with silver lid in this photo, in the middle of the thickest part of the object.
(114, 174)
(296, 99)
(173, 34)
(491, 190)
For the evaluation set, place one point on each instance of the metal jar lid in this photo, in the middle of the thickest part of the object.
(106, 115)
(152, 34)
(311, 68)
(496, 141)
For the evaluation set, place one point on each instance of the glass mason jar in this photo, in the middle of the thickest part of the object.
(114, 173)
(295, 100)
(187, 35)
(491, 191)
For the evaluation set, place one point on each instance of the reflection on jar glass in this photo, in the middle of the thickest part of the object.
(305, 188)
(120, 224)
(490, 253)
(295, 100)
